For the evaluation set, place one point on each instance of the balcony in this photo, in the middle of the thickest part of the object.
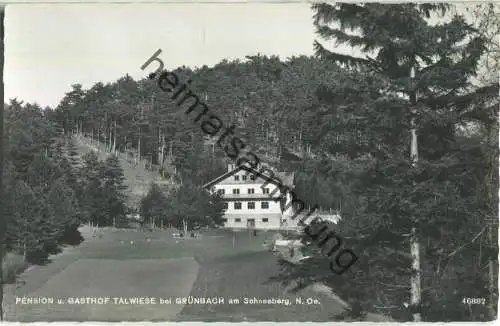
(251, 196)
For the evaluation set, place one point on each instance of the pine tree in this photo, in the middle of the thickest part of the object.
(415, 204)
(42, 172)
(31, 229)
(190, 207)
(154, 206)
(73, 156)
(92, 190)
(69, 111)
(114, 188)
(65, 209)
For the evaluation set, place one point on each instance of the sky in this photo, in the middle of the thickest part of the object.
(49, 47)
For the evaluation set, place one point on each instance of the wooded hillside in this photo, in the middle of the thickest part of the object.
(401, 142)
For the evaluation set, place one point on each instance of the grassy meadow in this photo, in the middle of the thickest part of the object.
(131, 263)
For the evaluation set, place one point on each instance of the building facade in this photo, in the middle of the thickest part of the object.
(252, 201)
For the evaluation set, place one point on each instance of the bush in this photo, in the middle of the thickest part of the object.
(13, 265)
(40, 256)
(71, 236)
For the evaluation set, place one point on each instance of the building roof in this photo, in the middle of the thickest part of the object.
(334, 218)
(280, 179)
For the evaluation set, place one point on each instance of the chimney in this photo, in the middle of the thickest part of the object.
(230, 167)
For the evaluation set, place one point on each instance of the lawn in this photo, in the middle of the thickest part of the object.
(113, 278)
(124, 263)
(246, 275)
(109, 244)
(127, 263)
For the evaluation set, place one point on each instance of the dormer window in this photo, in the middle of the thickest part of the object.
(236, 178)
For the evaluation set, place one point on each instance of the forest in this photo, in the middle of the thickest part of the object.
(51, 191)
(348, 127)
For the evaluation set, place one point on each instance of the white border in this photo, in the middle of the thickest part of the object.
(496, 322)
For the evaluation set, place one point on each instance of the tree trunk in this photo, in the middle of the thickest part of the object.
(490, 181)
(161, 149)
(416, 291)
(170, 152)
(185, 226)
(139, 147)
(267, 141)
(105, 136)
(110, 138)
(114, 138)
(492, 305)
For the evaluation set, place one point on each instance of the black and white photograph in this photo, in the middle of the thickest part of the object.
(249, 162)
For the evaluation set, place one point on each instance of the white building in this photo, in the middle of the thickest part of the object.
(252, 199)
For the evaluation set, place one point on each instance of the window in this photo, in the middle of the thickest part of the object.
(264, 205)
(226, 205)
(221, 191)
(243, 177)
(251, 205)
(265, 190)
(237, 219)
(237, 205)
(236, 177)
(236, 191)
(252, 177)
(251, 190)
(265, 220)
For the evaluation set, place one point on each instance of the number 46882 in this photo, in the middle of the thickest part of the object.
(474, 301)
